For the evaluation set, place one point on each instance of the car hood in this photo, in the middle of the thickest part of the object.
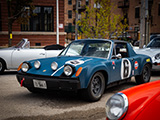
(148, 51)
(140, 96)
(75, 61)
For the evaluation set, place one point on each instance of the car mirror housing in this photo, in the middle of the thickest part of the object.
(118, 56)
(144, 46)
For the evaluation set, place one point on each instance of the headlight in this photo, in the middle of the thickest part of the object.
(157, 56)
(37, 64)
(68, 70)
(116, 106)
(25, 67)
(54, 66)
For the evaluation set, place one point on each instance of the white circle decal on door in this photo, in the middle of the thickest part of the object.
(125, 68)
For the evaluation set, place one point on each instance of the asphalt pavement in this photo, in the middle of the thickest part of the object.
(17, 103)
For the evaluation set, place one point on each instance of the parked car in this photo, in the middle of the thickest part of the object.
(137, 103)
(11, 58)
(125, 36)
(87, 66)
(154, 36)
(152, 50)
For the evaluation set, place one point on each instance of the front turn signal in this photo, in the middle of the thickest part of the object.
(78, 71)
(20, 66)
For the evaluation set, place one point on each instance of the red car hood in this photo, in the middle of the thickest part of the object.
(139, 97)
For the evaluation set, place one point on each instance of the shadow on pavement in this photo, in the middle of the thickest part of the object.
(155, 73)
(8, 72)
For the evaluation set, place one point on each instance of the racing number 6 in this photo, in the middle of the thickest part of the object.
(125, 68)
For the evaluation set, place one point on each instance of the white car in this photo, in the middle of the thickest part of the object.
(152, 50)
(11, 58)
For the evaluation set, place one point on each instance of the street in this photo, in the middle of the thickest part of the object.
(17, 103)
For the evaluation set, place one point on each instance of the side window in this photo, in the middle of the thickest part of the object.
(121, 48)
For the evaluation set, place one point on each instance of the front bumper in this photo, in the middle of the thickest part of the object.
(53, 83)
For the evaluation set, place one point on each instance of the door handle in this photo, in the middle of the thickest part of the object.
(42, 54)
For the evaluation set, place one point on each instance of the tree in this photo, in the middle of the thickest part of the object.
(100, 21)
(17, 11)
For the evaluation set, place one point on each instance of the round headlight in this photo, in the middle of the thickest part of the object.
(68, 70)
(25, 67)
(116, 106)
(37, 64)
(157, 56)
(54, 66)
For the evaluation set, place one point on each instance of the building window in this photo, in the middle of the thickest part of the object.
(69, 2)
(79, 16)
(41, 20)
(137, 12)
(87, 2)
(158, 9)
(69, 14)
(79, 3)
(0, 19)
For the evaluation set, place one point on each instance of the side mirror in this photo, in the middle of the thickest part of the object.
(144, 46)
(118, 56)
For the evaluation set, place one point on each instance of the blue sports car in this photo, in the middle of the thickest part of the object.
(87, 66)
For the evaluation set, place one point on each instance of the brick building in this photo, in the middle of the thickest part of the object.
(130, 9)
(46, 34)
(41, 29)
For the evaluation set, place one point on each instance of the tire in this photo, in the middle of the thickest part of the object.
(145, 76)
(2, 66)
(96, 88)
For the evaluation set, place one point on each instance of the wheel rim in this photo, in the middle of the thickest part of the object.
(96, 86)
(1, 66)
(146, 74)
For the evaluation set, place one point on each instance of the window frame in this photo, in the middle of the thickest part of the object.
(69, 2)
(69, 14)
(158, 9)
(137, 12)
(87, 2)
(40, 21)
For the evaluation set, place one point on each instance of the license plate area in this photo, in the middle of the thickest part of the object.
(39, 84)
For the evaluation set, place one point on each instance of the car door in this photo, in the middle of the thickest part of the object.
(121, 62)
(21, 55)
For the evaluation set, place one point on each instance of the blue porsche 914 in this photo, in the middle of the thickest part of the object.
(87, 66)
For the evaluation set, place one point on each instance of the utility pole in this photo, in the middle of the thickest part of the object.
(57, 11)
(76, 26)
(144, 24)
(147, 21)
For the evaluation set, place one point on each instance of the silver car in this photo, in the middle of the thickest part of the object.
(11, 58)
(152, 50)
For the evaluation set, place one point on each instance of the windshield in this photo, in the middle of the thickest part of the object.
(155, 43)
(88, 48)
(20, 44)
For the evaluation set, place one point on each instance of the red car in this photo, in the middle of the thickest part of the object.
(137, 103)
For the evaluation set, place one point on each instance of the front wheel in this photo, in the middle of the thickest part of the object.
(96, 87)
(2, 66)
(145, 76)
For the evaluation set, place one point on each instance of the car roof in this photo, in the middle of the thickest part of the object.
(156, 37)
(120, 41)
